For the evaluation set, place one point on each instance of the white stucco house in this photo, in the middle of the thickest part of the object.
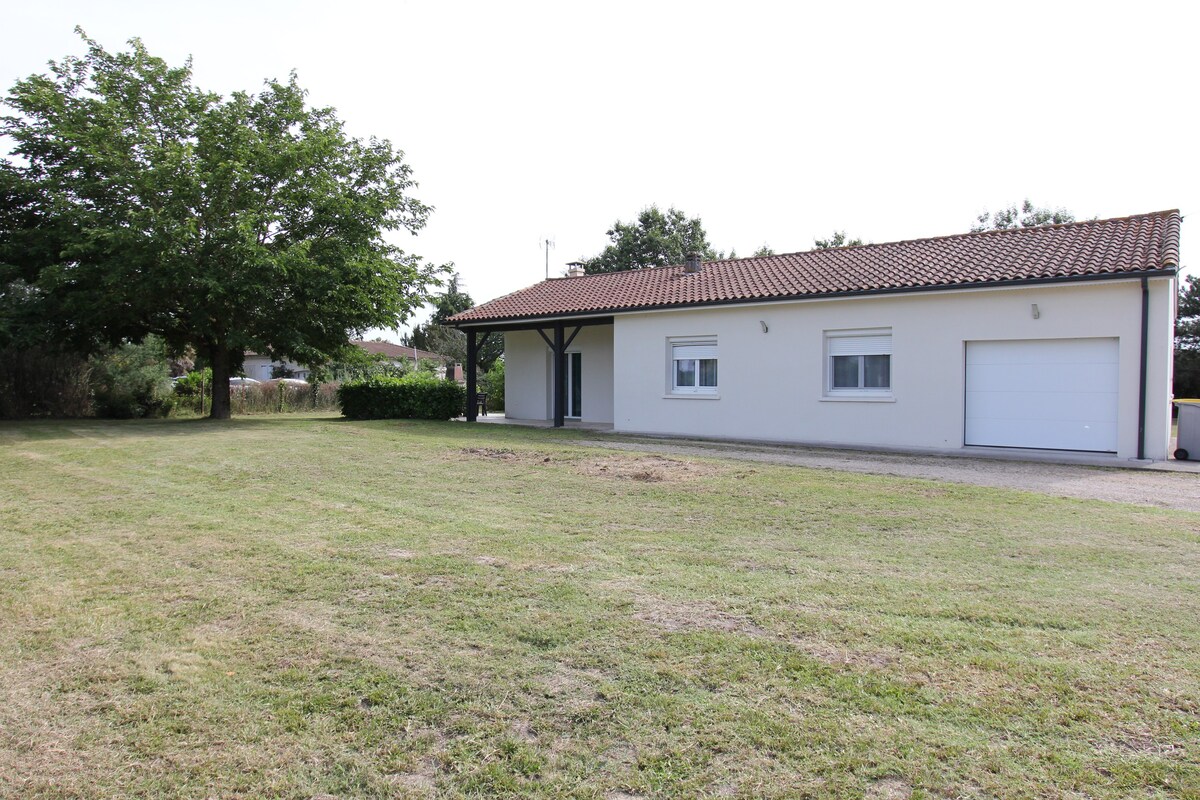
(1053, 338)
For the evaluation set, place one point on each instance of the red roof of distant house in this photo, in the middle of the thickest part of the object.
(1100, 248)
(398, 351)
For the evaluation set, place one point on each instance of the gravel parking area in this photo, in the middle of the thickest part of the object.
(1171, 485)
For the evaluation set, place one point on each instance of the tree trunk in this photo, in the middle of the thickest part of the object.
(219, 356)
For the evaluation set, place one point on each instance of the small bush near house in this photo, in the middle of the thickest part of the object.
(132, 381)
(415, 396)
(493, 384)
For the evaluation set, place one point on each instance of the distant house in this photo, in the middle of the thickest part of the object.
(1049, 338)
(263, 367)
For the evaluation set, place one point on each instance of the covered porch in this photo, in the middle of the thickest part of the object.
(546, 360)
(569, 424)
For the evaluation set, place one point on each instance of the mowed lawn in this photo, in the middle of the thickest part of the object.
(307, 607)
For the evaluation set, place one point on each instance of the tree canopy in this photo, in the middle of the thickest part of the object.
(837, 239)
(1027, 215)
(139, 204)
(655, 239)
(1187, 339)
(438, 337)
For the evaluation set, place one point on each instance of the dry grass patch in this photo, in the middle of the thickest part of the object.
(641, 468)
(649, 469)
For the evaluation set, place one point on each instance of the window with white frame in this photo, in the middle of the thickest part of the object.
(859, 362)
(694, 366)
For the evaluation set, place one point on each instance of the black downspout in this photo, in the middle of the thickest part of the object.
(1141, 454)
(472, 357)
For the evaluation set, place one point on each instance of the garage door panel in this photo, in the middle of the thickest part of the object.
(1039, 378)
(1044, 351)
(1068, 406)
(1058, 394)
(1035, 434)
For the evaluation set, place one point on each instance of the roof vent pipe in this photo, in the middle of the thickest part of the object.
(575, 269)
(692, 265)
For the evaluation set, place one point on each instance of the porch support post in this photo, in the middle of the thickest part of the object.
(560, 376)
(472, 358)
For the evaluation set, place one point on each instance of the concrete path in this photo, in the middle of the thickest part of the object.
(1163, 486)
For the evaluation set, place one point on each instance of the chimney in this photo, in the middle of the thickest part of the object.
(692, 265)
(575, 269)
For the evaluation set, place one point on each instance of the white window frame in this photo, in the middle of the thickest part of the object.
(873, 341)
(695, 390)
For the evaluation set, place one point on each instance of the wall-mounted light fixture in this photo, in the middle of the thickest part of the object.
(1036, 314)
(764, 325)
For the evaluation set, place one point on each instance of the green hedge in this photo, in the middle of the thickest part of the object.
(417, 395)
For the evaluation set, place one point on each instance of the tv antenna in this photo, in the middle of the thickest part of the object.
(547, 244)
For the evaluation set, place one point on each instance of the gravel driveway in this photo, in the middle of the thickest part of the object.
(1163, 486)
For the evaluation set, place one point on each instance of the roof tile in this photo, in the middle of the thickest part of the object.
(1146, 242)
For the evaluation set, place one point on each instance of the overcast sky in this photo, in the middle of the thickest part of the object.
(773, 122)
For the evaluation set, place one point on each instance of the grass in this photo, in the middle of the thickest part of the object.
(305, 607)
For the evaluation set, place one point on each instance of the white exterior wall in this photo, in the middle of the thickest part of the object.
(526, 376)
(528, 370)
(772, 385)
(259, 368)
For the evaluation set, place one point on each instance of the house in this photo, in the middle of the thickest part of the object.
(1049, 338)
(263, 367)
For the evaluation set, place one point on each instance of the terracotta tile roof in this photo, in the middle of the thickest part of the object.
(1147, 242)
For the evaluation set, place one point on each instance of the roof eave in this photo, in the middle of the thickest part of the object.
(1167, 270)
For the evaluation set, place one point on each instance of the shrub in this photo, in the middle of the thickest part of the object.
(192, 384)
(132, 381)
(493, 384)
(279, 396)
(41, 381)
(417, 395)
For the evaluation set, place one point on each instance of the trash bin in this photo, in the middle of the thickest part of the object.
(1187, 446)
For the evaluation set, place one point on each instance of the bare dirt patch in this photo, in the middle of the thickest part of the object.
(651, 468)
(673, 616)
(489, 452)
(888, 789)
(678, 615)
(401, 554)
(570, 688)
(648, 469)
(1144, 743)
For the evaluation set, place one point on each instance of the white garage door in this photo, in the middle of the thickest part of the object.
(1051, 394)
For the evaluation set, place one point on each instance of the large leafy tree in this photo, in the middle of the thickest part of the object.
(1027, 215)
(654, 239)
(139, 204)
(1187, 339)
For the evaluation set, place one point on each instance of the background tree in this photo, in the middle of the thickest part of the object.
(1027, 215)
(1187, 340)
(765, 250)
(224, 225)
(837, 239)
(655, 239)
(438, 337)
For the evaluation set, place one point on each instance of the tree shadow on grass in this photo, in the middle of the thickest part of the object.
(19, 431)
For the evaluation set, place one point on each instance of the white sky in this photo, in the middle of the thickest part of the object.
(773, 122)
